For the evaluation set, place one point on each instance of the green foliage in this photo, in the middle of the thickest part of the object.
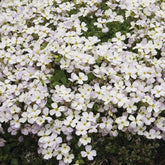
(72, 12)
(16, 153)
(113, 26)
(126, 149)
(59, 78)
(91, 77)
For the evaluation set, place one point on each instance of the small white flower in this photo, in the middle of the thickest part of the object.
(47, 153)
(82, 77)
(65, 148)
(122, 122)
(85, 140)
(89, 152)
(2, 142)
(68, 158)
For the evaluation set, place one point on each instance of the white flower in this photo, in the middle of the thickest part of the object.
(16, 121)
(158, 91)
(40, 120)
(119, 37)
(122, 122)
(57, 110)
(58, 154)
(68, 158)
(70, 121)
(148, 119)
(82, 77)
(152, 134)
(15, 109)
(2, 142)
(135, 121)
(85, 140)
(107, 123)
(47, 153)
(116, 82)
(89, 153)
(65, 148)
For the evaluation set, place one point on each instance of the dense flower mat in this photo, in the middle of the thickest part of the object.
(72, 69)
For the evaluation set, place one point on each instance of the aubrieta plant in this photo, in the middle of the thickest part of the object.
(75, 70)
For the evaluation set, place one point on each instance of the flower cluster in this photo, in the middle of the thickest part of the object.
(115, 77)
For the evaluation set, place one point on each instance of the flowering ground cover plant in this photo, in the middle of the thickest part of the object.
(76, 72)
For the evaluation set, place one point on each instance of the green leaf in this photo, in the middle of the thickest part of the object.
(91, 76)
(64, 80)
(56, 83)
(14, 161)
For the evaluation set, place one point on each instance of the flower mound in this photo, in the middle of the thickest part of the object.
(70, 70)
